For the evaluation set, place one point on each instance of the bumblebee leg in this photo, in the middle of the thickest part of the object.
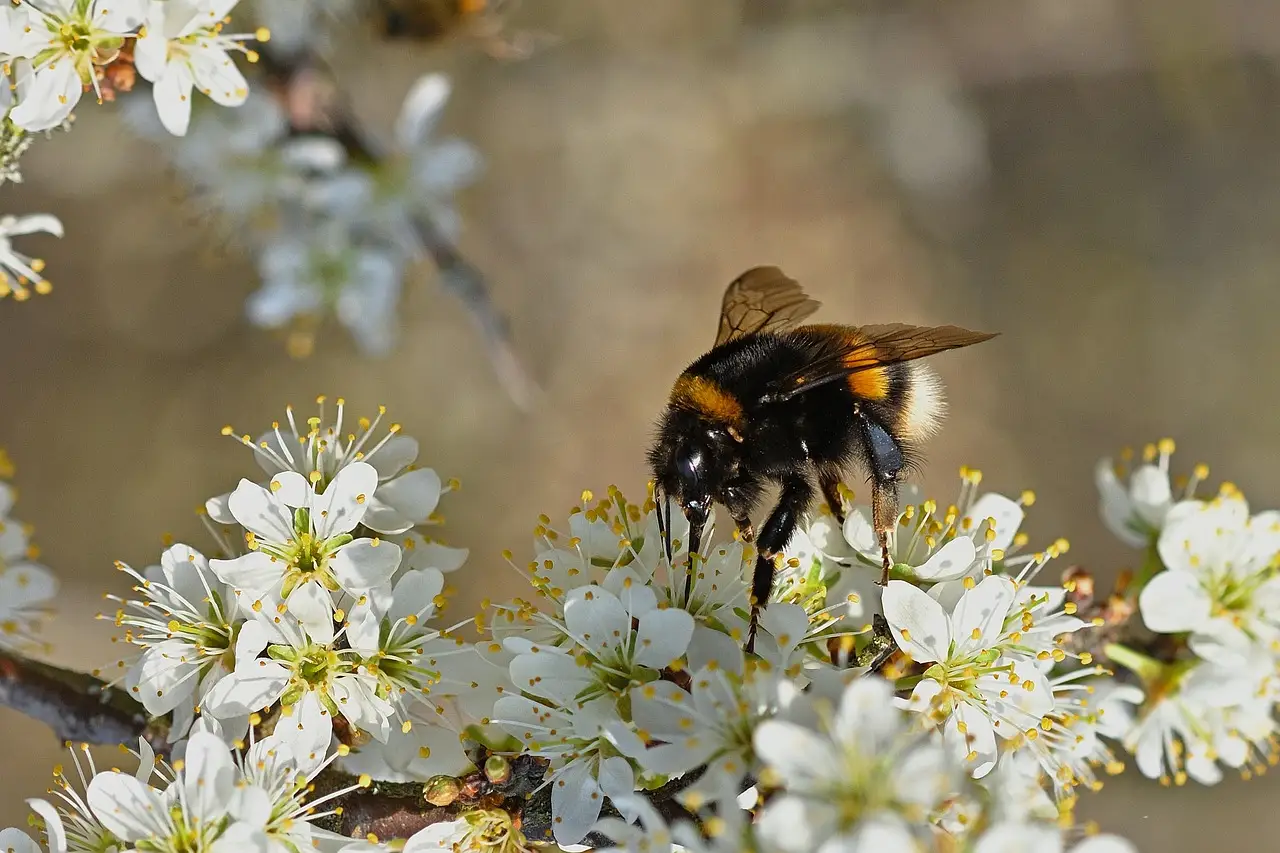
(829, 482)
(884, 515)
(797, 494)
(884, 457)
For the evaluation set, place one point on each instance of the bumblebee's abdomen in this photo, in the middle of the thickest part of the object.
(873, 384)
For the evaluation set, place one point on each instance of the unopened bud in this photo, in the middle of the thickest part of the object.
(441, 790)
(497, 769)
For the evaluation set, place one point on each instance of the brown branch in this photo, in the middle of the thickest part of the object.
(78, 707)
(81, 708)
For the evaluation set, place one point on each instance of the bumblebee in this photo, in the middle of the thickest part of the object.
(799, 406)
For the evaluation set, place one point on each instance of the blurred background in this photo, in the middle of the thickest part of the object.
(1097, 180)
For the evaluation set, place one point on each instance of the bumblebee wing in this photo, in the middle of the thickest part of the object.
(869, 347)
(759, 299)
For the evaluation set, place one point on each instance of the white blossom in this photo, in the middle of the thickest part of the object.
(301, 545)
(181, 47)
(863, 781)
(1221, 582)
(1133, 503)
(79, 36)
(312, 681)
(26, 587)
(406, 495)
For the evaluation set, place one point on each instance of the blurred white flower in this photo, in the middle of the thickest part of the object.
(26, 588)
(305, 274)
(79, 35)
(711, 723)
(864, 781)
(19, 273)
(181, 47)
(301, 545)
(435, 169)
(193, 813)
(1221, 582)
(1011, 837)
(1135, 510)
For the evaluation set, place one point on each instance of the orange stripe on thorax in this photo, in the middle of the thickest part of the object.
(707, 398)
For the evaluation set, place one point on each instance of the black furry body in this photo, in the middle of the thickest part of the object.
(806, 443)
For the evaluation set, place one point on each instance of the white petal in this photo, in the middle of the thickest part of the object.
(432, 555)
(359, 704)
(794, 825)
(866, 711)
(308, 728)
(151, 48)
(1151, 494)
(243, 838)
(949, 562)
(119, 16)
(1020, 838)
(1008, 515)
(256, 573)
(394, 456)
(1173, 602)
(596, 617)
(797, 753)
(172, 96)
(404, 501)
(880, 834)
(422, 108)
(575, 803)
(415, 593)
(217, 76)
(128, 809)
(364, 564)
(13, 840)
(860, 532)
(978, 620)
(1114, 505)
(219, 509)
(208, 777)
(53, 828)
(976, 746)
(53, 94)
(259, 511)
(662, 637)
(311, 605)
(918, 623)
(293, 490)
(345, 500)
(33, 223)
(165, 675)
(248, 689)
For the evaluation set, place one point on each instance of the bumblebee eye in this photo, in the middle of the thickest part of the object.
(690, 466)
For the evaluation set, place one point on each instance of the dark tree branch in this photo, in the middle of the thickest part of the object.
(78, 707)
(81, 708)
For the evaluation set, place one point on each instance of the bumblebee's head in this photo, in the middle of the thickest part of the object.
(691, 460)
